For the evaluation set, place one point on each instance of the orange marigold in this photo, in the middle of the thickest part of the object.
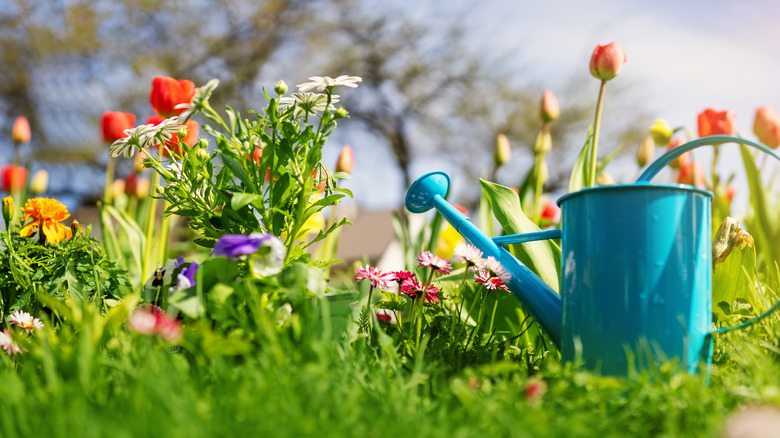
(46, 215)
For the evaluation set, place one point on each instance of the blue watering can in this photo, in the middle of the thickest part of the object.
(637, 268)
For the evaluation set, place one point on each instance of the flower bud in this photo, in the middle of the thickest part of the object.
(549, 108)
(346, 160)
(136, 186)
(280, 88)
(551, 213)
(182, 132)
(661, 132)
(39, 182)
(543, 143)
(606, 61)
(14, 178)
(75, 228)
(605, 179)
(117, 188)
(503, 151)
(20, 132)
(646, 149)
(767, 126)
(682, 159)
(138, 162)
(730, 191)
(8, 210)
(340, 113)
(691, 173)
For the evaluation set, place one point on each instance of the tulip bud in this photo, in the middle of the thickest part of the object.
(8, 210)
(39, 182)
(730, 191)
(136, 186)
(550, 211)
(75, 228)
(682, 159)
(543, 143)
(346, 160)
(20, 132)
(340, 113)
(606, 61)
(117, 188)
(503, 150)
(280, 88)
(138, 162)
(691, 173)
(605, 179)
(711, 122)
(661, 132)
(549, 108)
(14, 178)
(646, 149)
(767, 127)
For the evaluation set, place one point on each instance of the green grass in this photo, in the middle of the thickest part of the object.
(295, 381)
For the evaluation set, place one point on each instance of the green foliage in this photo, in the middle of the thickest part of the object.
(75, 268)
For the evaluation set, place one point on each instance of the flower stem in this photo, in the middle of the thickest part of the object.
(109, 180)
(592, 157)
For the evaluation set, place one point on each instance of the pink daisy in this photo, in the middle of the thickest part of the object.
(151, 320)
(490, 282)
(414, 289)
(378, 279)
(493, 266)
(7, 344)
(25, 320)
(428, 259)
(468, 254)
(384, 317)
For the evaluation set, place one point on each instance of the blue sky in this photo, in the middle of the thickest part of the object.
(683, 56)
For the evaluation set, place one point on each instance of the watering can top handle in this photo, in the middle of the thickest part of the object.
(671, 155)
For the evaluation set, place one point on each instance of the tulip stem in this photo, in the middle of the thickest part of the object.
(592, 157)
(109, 180)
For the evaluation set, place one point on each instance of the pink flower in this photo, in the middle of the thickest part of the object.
(346, 160)
(535, 389)
(468, 254)
(490, 282)
(414, 289)
(551, 212)
(25, 320)
(549, 108)
(606, 61)
(20, 131)
(151, 320)
(384, 317)
(7, 344)
(493, 266)
(767, 126)
(379, 280)
(428, 259)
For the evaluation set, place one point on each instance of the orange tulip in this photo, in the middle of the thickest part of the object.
(14, 178)
(114, 124)
(691, 173)
(712, 122)
(168, 92)
(682, 159)
(767, 126)
(20, 132)
(606, 61)
(174, 144)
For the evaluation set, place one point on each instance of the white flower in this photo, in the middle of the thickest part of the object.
(322, 83)
(25, 320)
(468, 254)
(309, 103)
(492, 265)
(269, 258)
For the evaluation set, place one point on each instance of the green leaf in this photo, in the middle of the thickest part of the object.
(735, 278)
(542, 257)
(239, 172)
(240, 200)
(187, 302)
(577, 180)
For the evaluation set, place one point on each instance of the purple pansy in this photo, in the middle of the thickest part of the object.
(233, 246)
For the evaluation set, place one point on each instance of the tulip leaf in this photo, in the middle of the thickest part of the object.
(577, 180)
(542, 257)
(735, 277)
(765, 216)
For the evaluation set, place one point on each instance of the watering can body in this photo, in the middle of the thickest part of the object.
(636, 276)
(636, 285)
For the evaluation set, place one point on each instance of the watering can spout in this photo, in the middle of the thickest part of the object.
(536, 296)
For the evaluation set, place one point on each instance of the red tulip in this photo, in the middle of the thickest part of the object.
(257, 154)
(606, 61)
(168, 92)
(114, 124)
(346, 160)
(174, 144)
(730, 191)
(767, 126)
(712, 122)
(551, 212)
(20, 132)
(691, 173)
(14, 177)
(549, 107)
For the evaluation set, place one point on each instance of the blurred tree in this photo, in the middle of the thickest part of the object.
(424, 92)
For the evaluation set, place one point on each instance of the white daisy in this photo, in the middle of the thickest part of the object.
(322, 83)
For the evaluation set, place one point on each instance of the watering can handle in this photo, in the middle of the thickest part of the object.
(671, 155)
